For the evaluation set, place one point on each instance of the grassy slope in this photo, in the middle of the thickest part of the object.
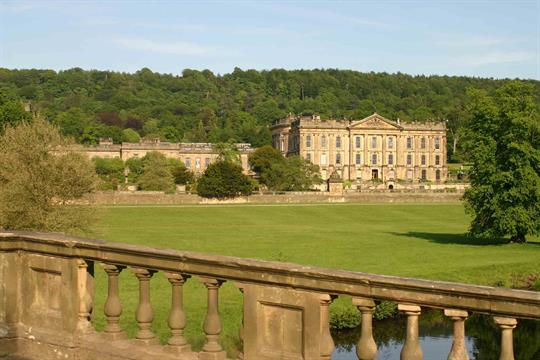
(424, 241)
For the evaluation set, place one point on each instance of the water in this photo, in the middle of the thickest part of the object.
(482, 340)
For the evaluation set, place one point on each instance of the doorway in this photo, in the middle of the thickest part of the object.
(374, 174)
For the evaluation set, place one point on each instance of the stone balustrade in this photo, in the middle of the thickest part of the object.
(46, 303)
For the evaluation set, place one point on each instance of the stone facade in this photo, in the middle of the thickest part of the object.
(196, 156)
(373, 148)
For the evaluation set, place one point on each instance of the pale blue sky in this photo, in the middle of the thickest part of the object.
(478, 38)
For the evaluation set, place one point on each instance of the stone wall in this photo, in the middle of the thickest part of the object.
(159, 198)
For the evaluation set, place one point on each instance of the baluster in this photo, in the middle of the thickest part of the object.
(144, 314)
(85, 284)
(411, 349)
(327, 343)
(459, 350)
(212, 350)
(240, 356)
(366, 349)
(113, 307)
(177, 316)
(507, 325)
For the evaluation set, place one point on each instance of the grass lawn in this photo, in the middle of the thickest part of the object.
(414, 240)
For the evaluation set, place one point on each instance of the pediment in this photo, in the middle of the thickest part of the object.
(375, 121)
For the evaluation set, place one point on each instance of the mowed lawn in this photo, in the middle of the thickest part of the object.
(414, 240)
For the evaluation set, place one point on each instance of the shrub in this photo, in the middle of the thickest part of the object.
(224, 179)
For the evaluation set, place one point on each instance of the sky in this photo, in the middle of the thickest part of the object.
(499, 39)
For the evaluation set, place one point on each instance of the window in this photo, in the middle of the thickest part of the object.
(423, 143)
(438, 175)
(374, 142)
(188, 162)
(338, 142)
(323, 159)
(390, 159)
(437, 160)
(424, 174)
(358, 142)
(409, 143)
(374, 159)
(206, 162)
(423, 159)
(390, 142)
(308, 141)
(338, 158)
(308, 157)
(409, 159)
(358, 159)
(437, 143)
(323, 141)
(197, 163)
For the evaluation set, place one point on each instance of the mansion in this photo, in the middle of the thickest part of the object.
(195, 156)
(373, 148)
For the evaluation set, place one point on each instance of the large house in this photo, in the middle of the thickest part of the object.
(373, 148)
(196, 156)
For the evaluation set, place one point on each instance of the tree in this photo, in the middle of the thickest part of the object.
(293, 174)
(39, 180)
(504, 146)
(180, 173)
(156, 174)
(224, 179)
(110, 171)
(130, 135)
(12, 113)
(227, 152)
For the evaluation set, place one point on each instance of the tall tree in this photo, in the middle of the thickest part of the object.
(504, 146)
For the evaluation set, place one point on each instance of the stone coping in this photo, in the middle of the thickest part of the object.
(436, 294)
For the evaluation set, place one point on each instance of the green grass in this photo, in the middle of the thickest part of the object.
(415, 240)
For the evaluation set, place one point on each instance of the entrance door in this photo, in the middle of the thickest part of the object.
(374, 174)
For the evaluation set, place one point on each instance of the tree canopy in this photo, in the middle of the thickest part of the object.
(504, 146)
(224, 179)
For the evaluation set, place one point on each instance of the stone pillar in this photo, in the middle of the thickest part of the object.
(411, 349)
(327, 343)
(459, 350)
(113, 307)
(144, 314)
(177, 316)
(366, 349)
(212, 349)
(507, 325)
(85, 285)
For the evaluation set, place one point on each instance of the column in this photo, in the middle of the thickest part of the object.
(212, 349)
(113, 307)
(177, 316)
(459, 350)
(85, 287)
(411, 349)
(507, 325)
(144, 314)
(366, 349)
(327, 343)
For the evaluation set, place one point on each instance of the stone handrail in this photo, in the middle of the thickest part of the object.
(277, 286)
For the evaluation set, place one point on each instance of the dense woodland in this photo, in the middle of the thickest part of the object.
(201, 106)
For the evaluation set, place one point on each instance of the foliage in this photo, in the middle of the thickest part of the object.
(180, 173)
(504, 197)
(224, 179)
(156, 175)
(130, 135)
(200, 106)
(292, 174)
(261, 160)
(227, 152)
(11, 114)
(110, 171)
(37, 185)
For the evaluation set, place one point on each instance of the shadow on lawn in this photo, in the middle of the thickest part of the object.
(446, 238)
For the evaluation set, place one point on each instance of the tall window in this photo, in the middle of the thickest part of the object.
(390, 142)
(390, 159)
(308, 157)
(358, 142)
(423, 143)
(437, 175)
(409, 143)
(374, 159)
(308, 141)
(437, 143)
(338, 142)
(424, 174)
(437, 160)
(188, 162)
(358, 159)
(409, 159)
(423, 159)
(197, 163)
(374, 142)
(338, 158)
(323, 159)
(323, 141)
